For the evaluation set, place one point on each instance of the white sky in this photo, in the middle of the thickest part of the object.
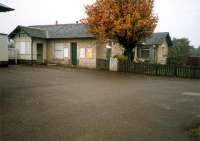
(179, 17)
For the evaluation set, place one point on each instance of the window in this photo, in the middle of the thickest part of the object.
(89, 53)
(82, 52)
(22, 49)
(59, 51)
(66, 53)
(145, 53)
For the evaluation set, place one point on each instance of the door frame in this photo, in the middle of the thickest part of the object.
(40, 45)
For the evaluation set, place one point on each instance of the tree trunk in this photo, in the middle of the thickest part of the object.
(129, 53)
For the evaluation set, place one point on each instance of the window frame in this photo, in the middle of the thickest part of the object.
(82, 56)
(145, 49)
(24, 48)
(59, 51)
(66, 52)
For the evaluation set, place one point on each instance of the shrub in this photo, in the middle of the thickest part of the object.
(121, 57)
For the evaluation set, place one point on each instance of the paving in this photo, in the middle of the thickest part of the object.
(39, 103)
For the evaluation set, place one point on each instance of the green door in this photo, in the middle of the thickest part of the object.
(74, 53)
(40, 53)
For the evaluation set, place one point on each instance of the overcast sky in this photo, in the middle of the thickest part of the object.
(179, 17)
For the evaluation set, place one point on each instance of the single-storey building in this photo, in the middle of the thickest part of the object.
(60, 44)
(155, 49)
(67, 44)
(3, 50)
(4, 40)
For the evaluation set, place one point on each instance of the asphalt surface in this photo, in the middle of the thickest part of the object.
(63, 104)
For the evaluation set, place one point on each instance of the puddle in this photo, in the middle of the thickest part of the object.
(191, 94)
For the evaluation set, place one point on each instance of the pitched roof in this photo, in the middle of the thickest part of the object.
(55, 31)
(158, 39)
(4, 8)
(73, 31)
(3, 34)
(33, 32)
(66, 31)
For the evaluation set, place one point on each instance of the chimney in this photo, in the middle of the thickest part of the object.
(56, 22)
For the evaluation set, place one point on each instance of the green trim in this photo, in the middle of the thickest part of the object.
(73, 53)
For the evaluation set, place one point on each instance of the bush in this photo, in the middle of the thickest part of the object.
(195, 132)
(121, 57)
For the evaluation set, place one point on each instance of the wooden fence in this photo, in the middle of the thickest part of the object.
(160, 70)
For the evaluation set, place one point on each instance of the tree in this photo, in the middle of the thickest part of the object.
(180, 51)
(128, 22)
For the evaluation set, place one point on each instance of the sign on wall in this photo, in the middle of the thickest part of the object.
(89, 53)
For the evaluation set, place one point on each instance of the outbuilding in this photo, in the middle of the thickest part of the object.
(3, 50)
(4, 40)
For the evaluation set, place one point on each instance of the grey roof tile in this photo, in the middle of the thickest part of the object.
(33, 32)
(66, 31)
(158, 38)
(71, 31)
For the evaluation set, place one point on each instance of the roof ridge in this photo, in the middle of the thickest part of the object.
(57, 24)
(160, 32)
(33, 28)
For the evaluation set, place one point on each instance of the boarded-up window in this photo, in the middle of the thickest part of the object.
(66, 53)
(22, 49)
(59, 51)
(89, 53)
(82, 52)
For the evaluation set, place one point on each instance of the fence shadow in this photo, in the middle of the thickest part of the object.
(160, 70)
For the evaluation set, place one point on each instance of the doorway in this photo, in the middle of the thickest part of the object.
(39, 53)
(73, 53)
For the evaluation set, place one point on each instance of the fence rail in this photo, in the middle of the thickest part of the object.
(160, 70)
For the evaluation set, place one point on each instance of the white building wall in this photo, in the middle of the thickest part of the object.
(18, 41)
(3, 47)
(163, 53)
(22, 38)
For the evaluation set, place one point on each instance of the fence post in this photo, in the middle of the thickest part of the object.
(175, 70)
(194, 72)
(156, 66)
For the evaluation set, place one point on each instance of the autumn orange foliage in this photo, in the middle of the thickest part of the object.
(128, 22)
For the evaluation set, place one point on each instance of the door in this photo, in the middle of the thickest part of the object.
(40, 53)
(74, 53)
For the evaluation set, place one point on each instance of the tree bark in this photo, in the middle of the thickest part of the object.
(129, 53)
